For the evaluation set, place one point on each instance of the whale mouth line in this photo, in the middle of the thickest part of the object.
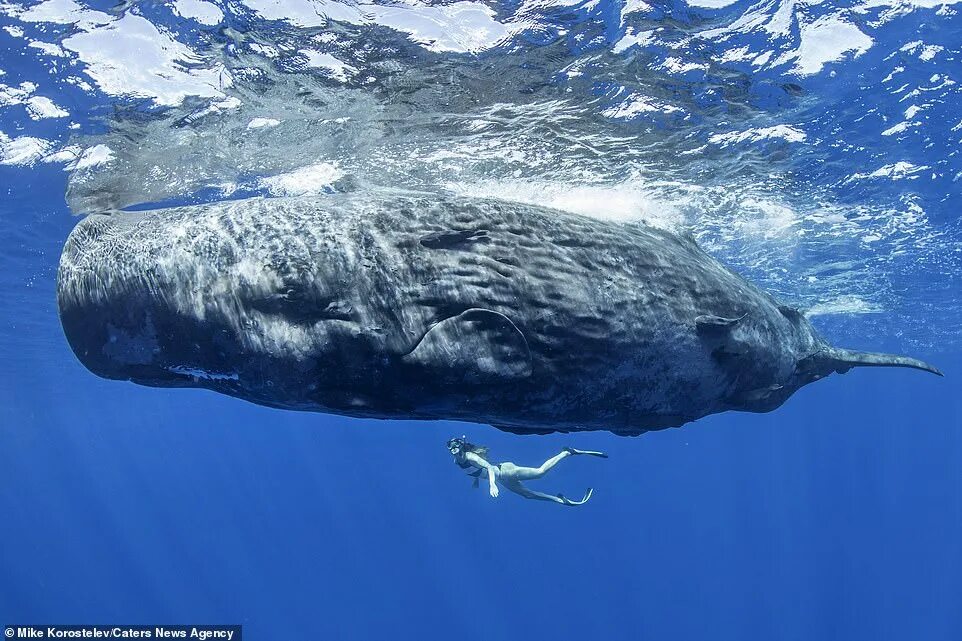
(197, 373)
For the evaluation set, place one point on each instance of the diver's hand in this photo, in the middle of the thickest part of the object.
(492, 483)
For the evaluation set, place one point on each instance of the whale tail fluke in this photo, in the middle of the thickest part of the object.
(842, 360)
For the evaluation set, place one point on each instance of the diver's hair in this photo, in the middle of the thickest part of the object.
(477, 450)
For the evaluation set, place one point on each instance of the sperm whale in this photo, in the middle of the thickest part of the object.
(401, 305)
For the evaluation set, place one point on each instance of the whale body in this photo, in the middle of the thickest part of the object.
(420, 306)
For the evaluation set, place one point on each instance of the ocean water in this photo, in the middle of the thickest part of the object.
(812, 146)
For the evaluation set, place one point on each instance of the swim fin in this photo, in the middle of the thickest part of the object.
(588, 452)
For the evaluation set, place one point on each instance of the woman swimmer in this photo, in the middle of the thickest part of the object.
(473, 457)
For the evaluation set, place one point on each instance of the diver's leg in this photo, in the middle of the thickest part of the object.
(518, 473)
(518, 488)
(521, 490)
(528, 473)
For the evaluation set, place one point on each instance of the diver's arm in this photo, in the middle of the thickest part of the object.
(493, 489)
(476, 460)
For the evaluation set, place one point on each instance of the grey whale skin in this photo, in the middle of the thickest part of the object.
(417, 306)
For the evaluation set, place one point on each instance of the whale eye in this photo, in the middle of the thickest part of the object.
(302, 304)
(450, 239)
(295, 293)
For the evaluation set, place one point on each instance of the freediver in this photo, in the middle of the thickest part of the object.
(469, 456)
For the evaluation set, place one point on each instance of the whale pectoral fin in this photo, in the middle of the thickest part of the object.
(717, 333)
(791, 313)
(477, 345)
(711, 324)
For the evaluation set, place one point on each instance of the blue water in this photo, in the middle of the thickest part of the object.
(838, 516)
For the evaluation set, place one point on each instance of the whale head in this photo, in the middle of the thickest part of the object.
(190, 303)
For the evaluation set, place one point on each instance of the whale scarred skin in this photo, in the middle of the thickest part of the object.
(419, 306)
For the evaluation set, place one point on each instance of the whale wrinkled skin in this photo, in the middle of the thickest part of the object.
(419, 306)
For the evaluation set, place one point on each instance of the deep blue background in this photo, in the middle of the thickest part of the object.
(839, 516)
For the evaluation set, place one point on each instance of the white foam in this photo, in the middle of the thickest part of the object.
(312, 179)
(307, 13)
(217, 106)
(205, 13)
(747, 22)
(40, 107)
(79, 158)
(764, 218)
(265, 50)
(786, 132)
(636, 104)
(620, 203)
(635, 6)
(907, 4)
(895, 171)
(827, 39)
(462, 27)
(336, 69)
(66, 155)
(847, 304)
(780, 23)
(633, 40)
(130, 57)
(763, 58)
(49, 48)
(898, 69)
(925, 52)
(899, 128)
(711, 4)
(676, 65)
(823, 40)
(737, 54)
(465, 27)
(64, 12)
(15, 95)
(257, 123)
(79, 82)
(94, 156)
(25, 150)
